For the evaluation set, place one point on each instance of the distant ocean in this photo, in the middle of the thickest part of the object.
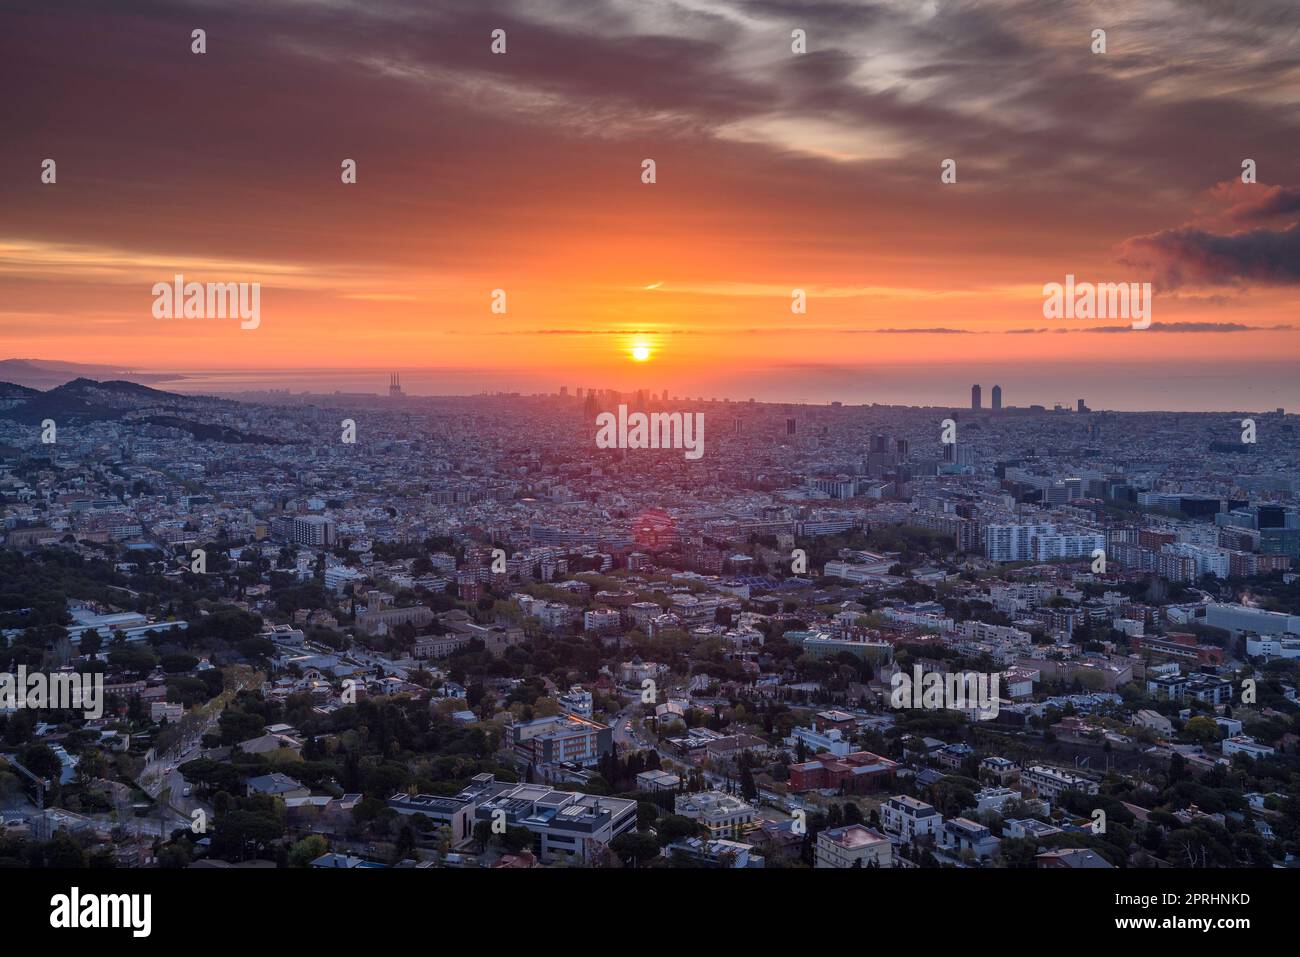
(1226, 387)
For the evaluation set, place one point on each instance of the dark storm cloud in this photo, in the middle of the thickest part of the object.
(1192, 256)
(1257, 202)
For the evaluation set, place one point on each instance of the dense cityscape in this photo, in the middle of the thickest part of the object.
(396, 631)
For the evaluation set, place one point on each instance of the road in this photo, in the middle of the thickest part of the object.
(633, 740)
(155, 777)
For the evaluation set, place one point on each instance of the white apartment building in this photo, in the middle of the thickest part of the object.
(601, 621)
(994, 799)
(1209, 561)
(1046, 548)
(921, 619)
(1040, 542)
(1013, 543)
(340, 576)
(1049, 784)
(907, 818)
(577, 701)
(964, 836)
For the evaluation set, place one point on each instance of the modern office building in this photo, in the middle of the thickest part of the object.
(566, 825)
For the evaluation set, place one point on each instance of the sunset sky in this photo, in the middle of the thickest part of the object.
(775, 171)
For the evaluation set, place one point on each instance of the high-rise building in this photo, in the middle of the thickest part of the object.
(997, 397)
(395, 385)
(313, 531)
(789, 426)
(901, 447)
(975, 396)
(879, 443)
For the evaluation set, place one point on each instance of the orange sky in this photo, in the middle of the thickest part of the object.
(522, 172)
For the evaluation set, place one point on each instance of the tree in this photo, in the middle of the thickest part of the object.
(303, 852)
(674, 827)
(405, 844)
(1177, 767)
(647, 812)
(1202, 728)
(41, 760)
(91, 642)
(90, 766)
(634, 847)
(515, 839)
(748, 789)
(241, 831)
(63, 851)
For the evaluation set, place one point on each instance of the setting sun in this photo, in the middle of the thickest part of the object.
(641, 352)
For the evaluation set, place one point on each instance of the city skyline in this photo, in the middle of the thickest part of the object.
(1111, 388)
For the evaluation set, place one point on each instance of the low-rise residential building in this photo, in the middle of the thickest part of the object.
(994, 799)
(657, 781)
(577, 701)
(1153, 721)
(1029, 829)
(1049, 783)
(908, 818)
(277, 785)
(853, 845)
(1245, 744)
(1072, 858)
(720, 813)
(999, 771)
(714, 853)
(962, 836)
